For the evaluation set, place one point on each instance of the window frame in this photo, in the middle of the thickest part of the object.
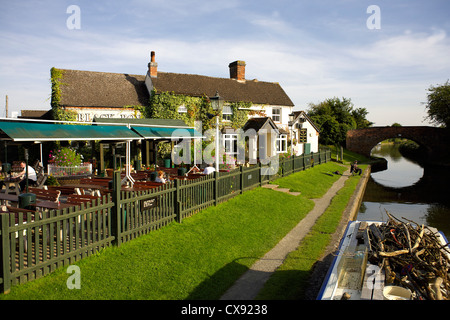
(231, 139)
(281, 143)
(276, 117)
(303, 138)
(182, 109)
(227, 116)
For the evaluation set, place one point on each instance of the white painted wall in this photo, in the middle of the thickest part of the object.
(312, 137)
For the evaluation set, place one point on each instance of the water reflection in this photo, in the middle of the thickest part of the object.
(407, 190)
(401, 172)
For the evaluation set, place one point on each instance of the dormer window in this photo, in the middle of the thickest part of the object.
(227, 113)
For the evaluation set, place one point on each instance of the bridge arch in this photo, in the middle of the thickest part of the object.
(434, 140)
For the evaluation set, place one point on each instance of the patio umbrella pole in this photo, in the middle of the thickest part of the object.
(26, 169)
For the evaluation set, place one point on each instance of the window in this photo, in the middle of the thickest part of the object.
(276, 114)
(282, 143)
(302, 137)
(230, 143)
(182, 109)
(227, 113)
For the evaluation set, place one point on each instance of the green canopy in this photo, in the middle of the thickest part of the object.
(166, 133)
(155, 128)
(36, 131)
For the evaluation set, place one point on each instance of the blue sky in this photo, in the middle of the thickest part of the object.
(314, 49)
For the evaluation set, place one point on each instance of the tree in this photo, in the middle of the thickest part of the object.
(335, 117)
(359, 115)
(439, 105)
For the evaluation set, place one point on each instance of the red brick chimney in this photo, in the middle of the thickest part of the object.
(237, 70)
(153, 66)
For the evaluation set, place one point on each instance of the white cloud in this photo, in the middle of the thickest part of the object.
(417, 50)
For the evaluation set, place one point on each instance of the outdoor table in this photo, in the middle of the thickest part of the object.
(12, 182)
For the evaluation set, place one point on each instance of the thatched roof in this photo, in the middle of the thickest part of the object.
(257, 92)
(102, 89)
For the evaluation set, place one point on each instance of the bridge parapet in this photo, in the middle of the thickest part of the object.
(436, 141)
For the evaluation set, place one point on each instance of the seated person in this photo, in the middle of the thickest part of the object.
(354, 168)
(209, 169)
(160, 177)
(32, 177)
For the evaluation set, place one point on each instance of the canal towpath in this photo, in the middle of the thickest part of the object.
(251, 282)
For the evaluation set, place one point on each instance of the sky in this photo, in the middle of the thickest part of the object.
(383, 55)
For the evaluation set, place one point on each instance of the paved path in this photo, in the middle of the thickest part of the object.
(251, 282)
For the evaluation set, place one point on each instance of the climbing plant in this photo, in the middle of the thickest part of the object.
(58, 112)
(165, 105)
(240, 114)
(139, 111)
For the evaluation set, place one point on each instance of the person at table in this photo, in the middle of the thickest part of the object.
(209, 169)
(32, 177)
(160, 177)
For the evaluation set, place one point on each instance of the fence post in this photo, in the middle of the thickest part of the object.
(216, 188)
(241, 169)
(116, 209)
(293, 163)
(260, 174)
(5, 269)
(177, 204)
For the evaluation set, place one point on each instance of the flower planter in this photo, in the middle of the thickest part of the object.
(63, 171)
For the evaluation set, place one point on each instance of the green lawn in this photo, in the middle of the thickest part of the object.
(311, 183)
(197, 259)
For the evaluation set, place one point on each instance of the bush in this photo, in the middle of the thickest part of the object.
(65, 157)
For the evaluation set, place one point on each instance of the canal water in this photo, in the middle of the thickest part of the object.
(408, 190)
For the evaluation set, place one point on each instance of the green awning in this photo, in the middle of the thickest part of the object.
(166, 133)
(36, 131)
(155, 128)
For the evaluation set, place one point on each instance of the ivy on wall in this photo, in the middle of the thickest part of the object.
(165, 105)
(239, 116)
(139, 111)
(58, 112)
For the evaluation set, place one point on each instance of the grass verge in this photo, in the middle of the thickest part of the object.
(311, 183)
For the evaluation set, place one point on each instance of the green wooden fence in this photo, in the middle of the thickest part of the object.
(34, 244)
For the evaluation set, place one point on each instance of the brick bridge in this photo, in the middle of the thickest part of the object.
(436, 141)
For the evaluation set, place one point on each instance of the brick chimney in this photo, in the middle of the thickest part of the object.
(153, 66)
(237, 70)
